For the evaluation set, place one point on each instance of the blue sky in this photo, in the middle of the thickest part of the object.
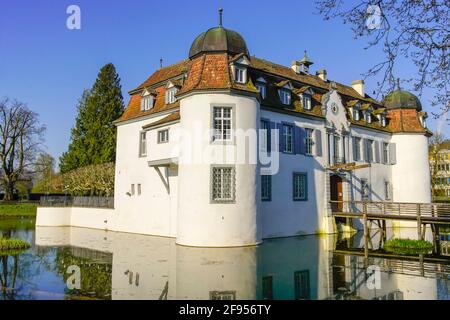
(48, 66)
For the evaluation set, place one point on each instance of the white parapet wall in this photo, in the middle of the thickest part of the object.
(93, 218)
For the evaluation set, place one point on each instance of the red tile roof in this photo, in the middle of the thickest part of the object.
(213, 71)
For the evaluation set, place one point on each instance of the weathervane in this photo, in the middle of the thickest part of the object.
(220, 17)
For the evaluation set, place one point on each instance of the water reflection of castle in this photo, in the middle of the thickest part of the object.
(144, 267)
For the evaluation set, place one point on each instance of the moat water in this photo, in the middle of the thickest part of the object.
(75, 263)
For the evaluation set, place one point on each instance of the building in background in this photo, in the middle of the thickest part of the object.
(440, 170)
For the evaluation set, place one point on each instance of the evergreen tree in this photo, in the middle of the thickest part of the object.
(93, 139)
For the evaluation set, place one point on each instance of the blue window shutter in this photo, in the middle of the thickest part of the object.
(364, 149)
(377, 152)
(393, 153)
(318, 142)
(280, 137)
(297, 138)
(272, 127)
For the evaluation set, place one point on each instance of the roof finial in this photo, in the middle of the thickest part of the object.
(220, 17)
(398, 83)
(161, 62)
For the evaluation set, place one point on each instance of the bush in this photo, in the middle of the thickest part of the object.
(13, 244)
(94, 180)
(408, 246)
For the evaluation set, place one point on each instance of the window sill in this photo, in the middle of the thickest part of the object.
(223, 201)
(299, 200)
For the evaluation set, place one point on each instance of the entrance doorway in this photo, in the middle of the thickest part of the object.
(336, 193)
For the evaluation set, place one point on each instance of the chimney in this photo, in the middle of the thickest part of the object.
(358, 86)
(322, 74)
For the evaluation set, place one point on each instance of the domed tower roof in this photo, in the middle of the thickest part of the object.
(400, 99)
(219, 39)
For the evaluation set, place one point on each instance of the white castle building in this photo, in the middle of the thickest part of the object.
(226, 149)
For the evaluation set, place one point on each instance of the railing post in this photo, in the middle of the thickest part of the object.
(366, 234)
(419, 223)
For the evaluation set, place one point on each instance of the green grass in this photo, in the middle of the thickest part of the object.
(408, 246)
(13, 244)
(18, 210)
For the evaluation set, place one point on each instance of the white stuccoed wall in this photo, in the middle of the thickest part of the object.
(200, 222)
(411, 174)
(154, 211)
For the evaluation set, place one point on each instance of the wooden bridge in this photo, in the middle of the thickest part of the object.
(433, 214)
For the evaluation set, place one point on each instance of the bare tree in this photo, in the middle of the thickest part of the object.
(43, 172)
(20, 140)
(418, 31)
(435, 145)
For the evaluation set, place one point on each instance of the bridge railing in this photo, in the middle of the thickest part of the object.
(392, 208)
(69, 201)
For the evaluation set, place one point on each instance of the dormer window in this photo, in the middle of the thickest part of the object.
(260, 85)
(170, 95)
(422, 117)
(383, 120)
(240, 74)
(368, 117)
(306, 99)
(147, 101)
(285, 96)
(356, 115)
(423, 121)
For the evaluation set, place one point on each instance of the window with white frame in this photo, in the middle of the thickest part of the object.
(264, 136)
(307, 102)
(385, 152)
(288, 135)
(387, 190)
(266, 187)
(139, 189)
(365, 190)
(240, 74)
(143, 144)
(357, 149)
(133, 191)
(309, 141)
(300, 191)
(337, 149)
(368, 117)
(223, 184)
(261, 87)
(163, 136)
(383, 120)
(222, 122)
(356, 114)
(285, 96)
(369, 150)
(170, 95)
(147, 102)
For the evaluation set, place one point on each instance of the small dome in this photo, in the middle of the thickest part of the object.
(400, 99)
(219, 39)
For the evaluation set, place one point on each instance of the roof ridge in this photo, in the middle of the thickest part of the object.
(367, 97)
